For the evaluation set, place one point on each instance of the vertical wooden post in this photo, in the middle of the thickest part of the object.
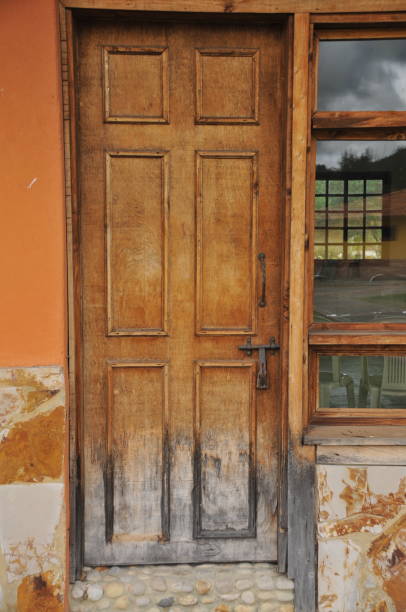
(301, 460)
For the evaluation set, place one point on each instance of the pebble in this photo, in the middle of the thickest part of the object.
(202, 587)
(158, 584)
(243, 585)
(230, 596)
(248, 597)
(138, 587)
(114, 589)
(142, 601)
(167, 602)
(122, 603)
(94, 592)
(181, 587)
(283, 583)
(265, 595)
(266, 583)
(188, 600)
(78, 590)
(284, 595)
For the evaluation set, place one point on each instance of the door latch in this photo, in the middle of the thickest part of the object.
(262, 376)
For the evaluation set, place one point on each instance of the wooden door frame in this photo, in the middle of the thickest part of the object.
(296, 512)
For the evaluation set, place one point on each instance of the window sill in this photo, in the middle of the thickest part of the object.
(355, 435)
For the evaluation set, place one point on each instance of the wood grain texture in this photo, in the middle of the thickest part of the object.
(357, 336)
(242, 192)
(301, 471)
(226, 207)
(239, 6)
(361, 455)
(225, 504)
(354, 119)
(137, 209)
(234, 75)
(355, 435)
(146, 65)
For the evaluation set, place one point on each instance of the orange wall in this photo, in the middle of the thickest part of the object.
(32, 234)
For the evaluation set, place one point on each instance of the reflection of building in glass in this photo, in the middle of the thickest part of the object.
(348, 218)
(360, 231)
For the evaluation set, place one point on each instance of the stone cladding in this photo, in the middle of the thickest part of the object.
(241, 587)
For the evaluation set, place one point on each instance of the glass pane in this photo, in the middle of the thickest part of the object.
(319, 252)
(335, 235)
(374, 186)
(335, 220)
(336, 186)
(361, 276)
(355, 186)
(355, 220)
(355, 203)
(321, 220)
(374, 235)
(321, 187)
(354, 252)
(374, 219)
(320, 203)
(335, 203)
(335, 252)
(355, 235)
(373, 251)
(374, 203)
(362, 75)
(319, 236)
(362, 381)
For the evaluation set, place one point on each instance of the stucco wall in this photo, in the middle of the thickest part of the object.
(32, 310)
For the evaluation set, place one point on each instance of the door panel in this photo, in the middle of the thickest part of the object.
(180, 164)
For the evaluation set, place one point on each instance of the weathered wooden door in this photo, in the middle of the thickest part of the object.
(180, 162)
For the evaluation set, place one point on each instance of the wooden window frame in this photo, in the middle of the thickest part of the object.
(335, 338)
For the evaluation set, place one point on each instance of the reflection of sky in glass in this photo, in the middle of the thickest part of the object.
(362, 75)
(331, 152)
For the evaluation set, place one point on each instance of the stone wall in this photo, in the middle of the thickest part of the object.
(32, 509)
(362, 538)
(242, 587)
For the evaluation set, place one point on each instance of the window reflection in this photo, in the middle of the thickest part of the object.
(367, 381)
(360, 231)
(362, 75)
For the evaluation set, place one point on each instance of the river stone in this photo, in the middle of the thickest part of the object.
(122, 603)
(243, 585)
(114, 571)
(114, 589)
(269, 607)
(181, 587)
(158, 584)
(286, 608)
(208, 599)
(230, 596)
(142, 601)
(283, 583)
(266, 583)
(248, 597)
(284, 595)
(265, 595)
(78, 590)
(137, 587)
(222, 608)
(202, 587)
(103, 604)
(188, 600)
(224, 586)
(94, 592)
(167, 602)
(93, 576)
(243, 609)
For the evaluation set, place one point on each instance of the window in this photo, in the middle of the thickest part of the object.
(358, 227)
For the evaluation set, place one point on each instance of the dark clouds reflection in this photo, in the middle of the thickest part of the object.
(362, 75)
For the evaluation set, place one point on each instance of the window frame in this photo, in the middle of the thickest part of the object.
(340, 338)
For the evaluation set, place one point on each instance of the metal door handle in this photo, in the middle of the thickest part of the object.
(262, 299)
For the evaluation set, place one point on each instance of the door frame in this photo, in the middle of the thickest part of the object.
(296, 511)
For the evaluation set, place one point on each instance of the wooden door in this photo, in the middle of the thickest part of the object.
(180, 165)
